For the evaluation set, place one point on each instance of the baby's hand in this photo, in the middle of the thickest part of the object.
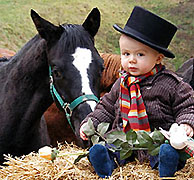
(82, 134)
(188, 129)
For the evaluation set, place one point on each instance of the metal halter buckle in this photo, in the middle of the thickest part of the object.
(67, 109)
(51, 80)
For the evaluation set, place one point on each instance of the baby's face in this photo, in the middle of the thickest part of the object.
(137, 58)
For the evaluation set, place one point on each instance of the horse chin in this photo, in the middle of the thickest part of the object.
(79, 114)
(83, 144)
(79, 142)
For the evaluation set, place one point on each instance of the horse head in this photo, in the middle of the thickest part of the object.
(75, 65)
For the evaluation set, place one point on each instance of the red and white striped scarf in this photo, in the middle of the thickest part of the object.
(133, 111)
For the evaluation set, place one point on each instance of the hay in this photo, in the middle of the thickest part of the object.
(32, 166)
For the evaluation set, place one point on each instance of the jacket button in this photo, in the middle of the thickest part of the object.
(149, 87)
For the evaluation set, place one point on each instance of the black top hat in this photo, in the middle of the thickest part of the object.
(149, 29)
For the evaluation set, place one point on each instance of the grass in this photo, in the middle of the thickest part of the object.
(17, 27)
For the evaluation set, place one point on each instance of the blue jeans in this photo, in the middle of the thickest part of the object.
(105, 161)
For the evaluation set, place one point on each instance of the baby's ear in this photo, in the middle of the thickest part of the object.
(159, 58)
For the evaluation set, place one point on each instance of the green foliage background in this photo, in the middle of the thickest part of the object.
(16, 26)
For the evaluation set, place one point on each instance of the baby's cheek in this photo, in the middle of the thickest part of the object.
(147, 68)
(124, 64)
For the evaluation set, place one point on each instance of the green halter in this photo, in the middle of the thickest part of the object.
(69, 107)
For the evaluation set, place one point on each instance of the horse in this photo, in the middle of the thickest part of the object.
(112, 65)
(58, 127)
(60, 63)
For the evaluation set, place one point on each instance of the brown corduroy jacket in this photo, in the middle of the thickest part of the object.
(167, 99)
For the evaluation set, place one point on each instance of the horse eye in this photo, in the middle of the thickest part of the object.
(57, 74)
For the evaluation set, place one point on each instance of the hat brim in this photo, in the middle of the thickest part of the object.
(134, 35)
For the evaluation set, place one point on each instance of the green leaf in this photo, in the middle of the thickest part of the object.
(95, 139)
(80, 157)
(114, 135)
(125, 145)
(158, 137)
(144, 139)
(136, 145)
(102, 128)
(131, 137)
(88, 128)
(118, 143)
(124, 154)
(154, 151)
(90, 124)
(126, 151)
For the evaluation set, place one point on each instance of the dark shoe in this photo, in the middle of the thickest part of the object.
(168, 161)
(100, 160)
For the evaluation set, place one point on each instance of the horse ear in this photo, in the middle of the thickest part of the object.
(92, 22)
(47, 30)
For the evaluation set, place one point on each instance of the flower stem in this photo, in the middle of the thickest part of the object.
(72, 154)
(101, 136)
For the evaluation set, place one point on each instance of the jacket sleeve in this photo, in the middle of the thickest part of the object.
(183, 104)
(105, 109)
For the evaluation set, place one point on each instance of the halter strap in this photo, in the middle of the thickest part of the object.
(69, 107)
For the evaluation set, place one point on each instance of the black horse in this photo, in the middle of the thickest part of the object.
(67, 52)
(186, 71)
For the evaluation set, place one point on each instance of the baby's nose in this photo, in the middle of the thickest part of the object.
(132, 59)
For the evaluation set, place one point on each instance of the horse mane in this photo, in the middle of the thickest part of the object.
(28, 51)
(76, 36)
(112, 63)
(35, 43)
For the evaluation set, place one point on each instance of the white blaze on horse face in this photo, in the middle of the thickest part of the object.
(82, 60)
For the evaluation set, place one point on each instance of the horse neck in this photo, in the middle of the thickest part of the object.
(27, 81)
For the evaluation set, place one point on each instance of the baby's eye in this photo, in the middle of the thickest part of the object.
(140, 54)
(126, 54)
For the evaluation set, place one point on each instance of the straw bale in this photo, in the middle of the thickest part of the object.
(32, 166)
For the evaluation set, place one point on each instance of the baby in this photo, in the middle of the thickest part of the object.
(146, 96)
